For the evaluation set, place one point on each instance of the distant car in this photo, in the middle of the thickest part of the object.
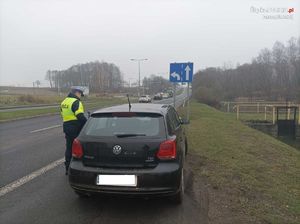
(170, 93)
(157, 96)
(130, 152)
(165, 95)
(145, 99)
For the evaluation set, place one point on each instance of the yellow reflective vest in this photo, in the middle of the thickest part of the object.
(66, 109)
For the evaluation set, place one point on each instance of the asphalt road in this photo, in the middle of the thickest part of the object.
(40, 192)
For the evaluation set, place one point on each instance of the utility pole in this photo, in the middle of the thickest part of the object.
(139, 70)
(33, 88)
(130, 83)
(80, 75)
(58, 86)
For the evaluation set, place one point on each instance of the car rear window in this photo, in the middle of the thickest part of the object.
(122, 124)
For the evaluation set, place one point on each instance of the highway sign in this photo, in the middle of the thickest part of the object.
(181, 72)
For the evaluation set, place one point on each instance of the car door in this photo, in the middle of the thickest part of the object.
(175, 129)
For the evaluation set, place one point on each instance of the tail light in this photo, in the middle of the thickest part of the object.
(77, 151)
(167, 150)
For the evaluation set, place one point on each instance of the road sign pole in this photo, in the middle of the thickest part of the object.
(188, 103)
(174, 95)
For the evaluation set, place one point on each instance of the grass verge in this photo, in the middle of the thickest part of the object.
(250, 173)
(5, 116)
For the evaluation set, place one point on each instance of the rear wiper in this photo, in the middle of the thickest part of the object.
(128, 135)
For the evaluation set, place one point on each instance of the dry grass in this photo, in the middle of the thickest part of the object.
(256, 176)
(104, 102)
(17, 100)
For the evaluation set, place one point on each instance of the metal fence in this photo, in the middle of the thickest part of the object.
(265, 110)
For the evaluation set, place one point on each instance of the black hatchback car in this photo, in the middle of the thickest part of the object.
(140, 151)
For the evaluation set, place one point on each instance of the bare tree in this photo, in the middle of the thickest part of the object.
(273, 74)
(48, 78)
(99, 76)
(38, 83)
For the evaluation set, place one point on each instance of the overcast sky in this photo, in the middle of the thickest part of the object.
(37, 35)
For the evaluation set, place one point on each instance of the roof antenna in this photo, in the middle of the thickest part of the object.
(129, 102)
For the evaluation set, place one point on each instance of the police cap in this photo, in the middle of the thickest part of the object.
(77, 89)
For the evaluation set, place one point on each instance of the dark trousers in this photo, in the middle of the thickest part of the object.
(68, 153)
(71, 130)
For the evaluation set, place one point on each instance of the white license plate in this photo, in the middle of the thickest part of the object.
(117, 180)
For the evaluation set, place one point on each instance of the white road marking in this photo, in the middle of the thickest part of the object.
(44, 129)
(12, 186)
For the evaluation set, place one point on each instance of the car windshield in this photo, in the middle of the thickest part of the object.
(137, 125)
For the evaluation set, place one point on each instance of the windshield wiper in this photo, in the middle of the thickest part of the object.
(128, 135)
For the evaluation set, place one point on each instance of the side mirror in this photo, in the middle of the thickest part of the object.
(184, 121)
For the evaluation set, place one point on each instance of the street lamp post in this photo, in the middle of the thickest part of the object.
(139, 67)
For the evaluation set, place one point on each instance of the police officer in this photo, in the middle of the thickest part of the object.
(72, 112)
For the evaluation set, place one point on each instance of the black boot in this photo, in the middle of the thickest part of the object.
(67, 168)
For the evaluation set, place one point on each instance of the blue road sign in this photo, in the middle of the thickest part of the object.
(181, 72)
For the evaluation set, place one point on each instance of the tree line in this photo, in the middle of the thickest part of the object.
(102, 77)
(98, 76)
(273, 75)
(155, 84)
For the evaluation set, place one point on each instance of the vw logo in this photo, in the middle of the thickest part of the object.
(117, 149)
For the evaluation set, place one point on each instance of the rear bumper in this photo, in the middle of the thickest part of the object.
(144, 101)
(164, 179)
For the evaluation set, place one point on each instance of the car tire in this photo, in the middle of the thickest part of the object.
(178, 197)
(186, 147)
(82, 194)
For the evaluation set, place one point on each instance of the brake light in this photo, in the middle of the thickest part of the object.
(77, 151)
(167, 150)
